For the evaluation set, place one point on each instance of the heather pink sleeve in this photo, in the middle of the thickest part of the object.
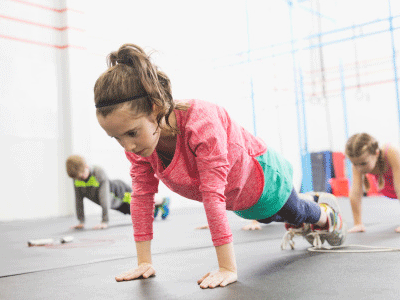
(208, 139)
(144, 186)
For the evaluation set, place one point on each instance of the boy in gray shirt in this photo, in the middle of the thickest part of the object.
(93, 183)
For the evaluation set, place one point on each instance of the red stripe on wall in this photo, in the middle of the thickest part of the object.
(40, 43)
(48, 8)
(41, 25)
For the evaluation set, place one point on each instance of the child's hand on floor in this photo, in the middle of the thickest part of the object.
(221, 277)
(202, 227)
(397, 230)
(101, 226)
(79, 226)
(254, 225)
(144, 270)
(357, 228)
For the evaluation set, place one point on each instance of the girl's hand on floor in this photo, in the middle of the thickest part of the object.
(145, 270)
(254, 225)
(202, 227)
(397, 230)
(221, 277)
(79, 226)
(357, 228)
(101, 226)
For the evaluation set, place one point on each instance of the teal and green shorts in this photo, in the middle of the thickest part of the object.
(278, 176)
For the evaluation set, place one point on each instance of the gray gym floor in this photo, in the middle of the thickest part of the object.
(85, 268)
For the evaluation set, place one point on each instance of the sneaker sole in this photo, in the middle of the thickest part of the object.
(338, 238)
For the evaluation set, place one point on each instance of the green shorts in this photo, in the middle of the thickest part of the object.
(278, 175)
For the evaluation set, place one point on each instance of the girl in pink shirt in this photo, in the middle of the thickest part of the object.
(367, 158)
(199, 152)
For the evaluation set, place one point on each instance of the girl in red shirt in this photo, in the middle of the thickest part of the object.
(368, 158)
(199, 152)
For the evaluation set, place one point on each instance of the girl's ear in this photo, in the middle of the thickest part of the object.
(156, 109)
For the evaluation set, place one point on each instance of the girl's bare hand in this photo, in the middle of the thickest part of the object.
(79, 226)
(101, 226)
(221, 277)
(143, 271)
(397, 230)
(254, 225)
(202, 227)
(357, 228)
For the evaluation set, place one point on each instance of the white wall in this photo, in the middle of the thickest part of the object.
(34, 126)
(47, 110)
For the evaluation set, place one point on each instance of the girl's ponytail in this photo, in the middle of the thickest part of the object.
(131, 73)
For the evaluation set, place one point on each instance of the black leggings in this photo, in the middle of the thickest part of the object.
(296, 211)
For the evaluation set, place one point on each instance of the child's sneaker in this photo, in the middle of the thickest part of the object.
(303, 229)
(335, 230)
(163, 207)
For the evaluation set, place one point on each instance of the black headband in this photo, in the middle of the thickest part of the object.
(113, 102)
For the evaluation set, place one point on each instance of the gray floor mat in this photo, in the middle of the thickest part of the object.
(85, 268)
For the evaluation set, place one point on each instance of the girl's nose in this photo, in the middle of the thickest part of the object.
(128, 146)
(360, 169)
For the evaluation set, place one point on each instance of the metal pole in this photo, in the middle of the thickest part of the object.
(346, 124)
(394, 63)
(306, 183)
(325, 102)
(250, 71)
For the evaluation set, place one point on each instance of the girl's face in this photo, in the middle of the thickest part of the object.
(366, 162)
(136, 133)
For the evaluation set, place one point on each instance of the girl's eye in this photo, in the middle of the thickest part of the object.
(132, 133)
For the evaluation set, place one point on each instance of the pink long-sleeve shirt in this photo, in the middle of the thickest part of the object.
(214, 163)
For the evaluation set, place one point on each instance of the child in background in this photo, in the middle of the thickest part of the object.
(93, 183)
(199, 152)
(368, 158)
(162, 205)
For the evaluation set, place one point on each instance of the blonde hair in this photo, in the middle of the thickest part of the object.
(360, 143)
(75, 164)
(130, 74)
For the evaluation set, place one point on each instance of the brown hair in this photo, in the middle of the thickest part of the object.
(360, 143)
(131, 73)
(75, 164)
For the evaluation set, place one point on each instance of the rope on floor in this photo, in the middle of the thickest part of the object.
(344, 249)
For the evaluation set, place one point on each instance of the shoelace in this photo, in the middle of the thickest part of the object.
(291, 232)
(289, 235)
(317, 243)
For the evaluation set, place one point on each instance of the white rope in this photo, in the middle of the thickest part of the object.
(366, 249)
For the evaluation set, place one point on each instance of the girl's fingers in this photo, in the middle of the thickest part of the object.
(121, 277)
(149, 272)
(228, 280)
(136, 273)
(124, 276)
(132, 275)
(204, 277)
(215, 279)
